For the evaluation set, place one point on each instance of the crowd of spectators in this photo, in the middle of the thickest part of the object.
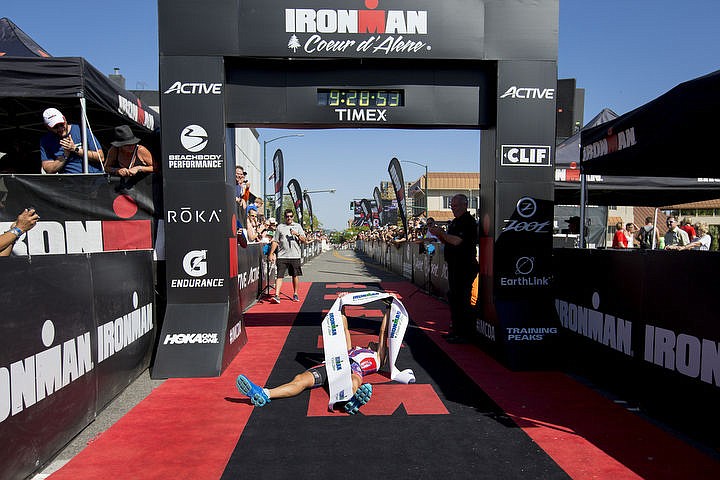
(396, 236)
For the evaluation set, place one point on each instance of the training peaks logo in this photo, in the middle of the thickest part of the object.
(383, 30)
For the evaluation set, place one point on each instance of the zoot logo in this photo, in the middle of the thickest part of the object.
(194, 138)
(526, 207)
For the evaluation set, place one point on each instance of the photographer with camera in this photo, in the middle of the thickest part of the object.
(25, 221)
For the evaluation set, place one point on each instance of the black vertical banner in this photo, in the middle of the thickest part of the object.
(368, 212)
(296, 196)
(396, 176)
(517, 216)
(308, 204)
(200, 240)
(278, 174)
(379, 205)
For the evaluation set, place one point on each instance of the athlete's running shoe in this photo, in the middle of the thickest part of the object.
(256, 393)
(361, 397)
(296, 298)
(275, 299)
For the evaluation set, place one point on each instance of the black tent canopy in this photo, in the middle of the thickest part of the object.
(31, 81)
(619, 190)
(670, 136)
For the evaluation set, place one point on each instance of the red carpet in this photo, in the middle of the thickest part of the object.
(187, 428)
(586, 434)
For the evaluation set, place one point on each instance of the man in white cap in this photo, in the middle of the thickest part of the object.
(61, 148)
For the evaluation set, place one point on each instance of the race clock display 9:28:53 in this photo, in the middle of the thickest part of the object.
(372, 98)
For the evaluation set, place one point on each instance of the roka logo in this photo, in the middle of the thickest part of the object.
(194, 138)
(195, 263)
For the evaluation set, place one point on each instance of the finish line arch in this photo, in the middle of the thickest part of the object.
(489, 65)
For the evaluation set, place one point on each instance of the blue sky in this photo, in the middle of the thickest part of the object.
(623, 53)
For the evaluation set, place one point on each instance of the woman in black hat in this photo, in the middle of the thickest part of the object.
(126, 156)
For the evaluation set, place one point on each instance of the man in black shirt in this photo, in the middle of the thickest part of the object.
(460, 242)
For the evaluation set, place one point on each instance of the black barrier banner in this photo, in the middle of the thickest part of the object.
(86, 331)
(379, 206)
(296, 196)
(308, 204)
(249, 264)
(278, 175)
(396, 176)
(80, 213)
(627, 333)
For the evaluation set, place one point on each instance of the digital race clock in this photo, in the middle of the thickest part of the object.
(337, 97)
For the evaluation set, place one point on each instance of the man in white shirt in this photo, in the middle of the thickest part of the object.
(286, 243)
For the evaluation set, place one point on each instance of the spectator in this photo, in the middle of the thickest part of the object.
(286, 243)
(242, 188)
(261, 211)
(619, 239)
(255, 228)
(648, 236)
(461, 256)
(127, 157)
(61, 148)
(573, 227)
(686, 224)
(25, 221)
(675, 238)
(702, 240)
(630, 230)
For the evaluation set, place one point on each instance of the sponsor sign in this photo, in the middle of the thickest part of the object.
(524, 275)
(613, 142)
(194, 138)
(526, 209)
(35, 378)
(195, 265)
(194, 88)
(529, 93)
(525, 156)
(372, 31)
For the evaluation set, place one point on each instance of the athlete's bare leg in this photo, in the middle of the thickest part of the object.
(296, 386)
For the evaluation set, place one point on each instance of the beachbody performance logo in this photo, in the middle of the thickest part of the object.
(370, 31)
(194, 138)
(39, 376)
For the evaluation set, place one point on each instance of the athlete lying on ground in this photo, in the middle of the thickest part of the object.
(363, 361)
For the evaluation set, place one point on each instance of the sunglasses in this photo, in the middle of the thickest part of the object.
(253, 216)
